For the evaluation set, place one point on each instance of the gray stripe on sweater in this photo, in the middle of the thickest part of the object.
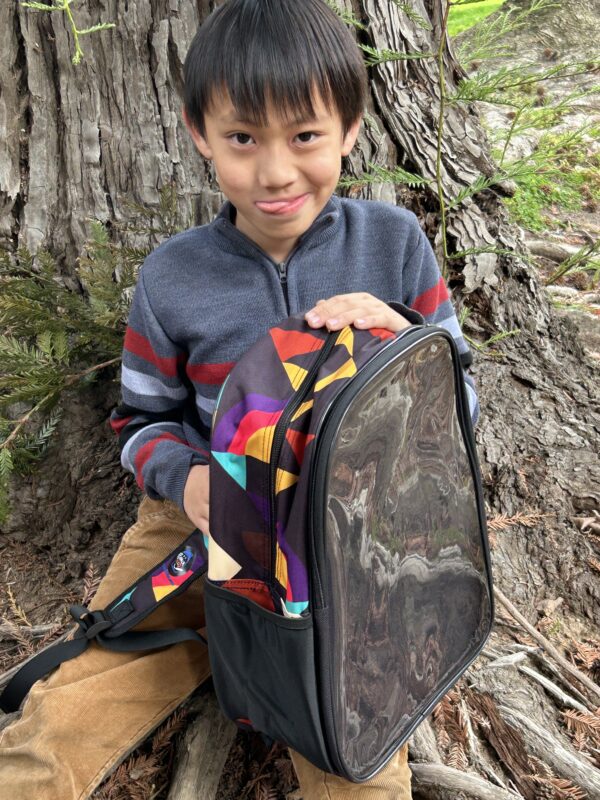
(206, 404)
(136, 437)
(138, 383)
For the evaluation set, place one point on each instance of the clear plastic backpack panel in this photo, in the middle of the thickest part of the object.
(405, 551)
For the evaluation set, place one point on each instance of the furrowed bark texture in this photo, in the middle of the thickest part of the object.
(80, 141)
(564, 27)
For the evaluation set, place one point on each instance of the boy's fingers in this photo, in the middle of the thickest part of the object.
(340, 320)
(344, 309)
(327, 309)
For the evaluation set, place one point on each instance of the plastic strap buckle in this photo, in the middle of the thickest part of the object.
(91, 623)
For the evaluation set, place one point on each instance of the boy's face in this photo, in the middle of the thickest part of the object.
(260, 167)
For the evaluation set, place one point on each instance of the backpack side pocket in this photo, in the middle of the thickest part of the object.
(277, 690)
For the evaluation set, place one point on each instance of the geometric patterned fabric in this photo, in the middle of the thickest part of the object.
(244, 553)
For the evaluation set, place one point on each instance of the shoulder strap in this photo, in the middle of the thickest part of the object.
(110, 627)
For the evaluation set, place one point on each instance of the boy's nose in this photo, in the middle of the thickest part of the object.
(276, 171)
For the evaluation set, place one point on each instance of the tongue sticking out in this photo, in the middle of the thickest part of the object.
(272, 206)
(280, 205)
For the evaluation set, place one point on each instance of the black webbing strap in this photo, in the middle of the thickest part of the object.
(110, 627)
(92, 625)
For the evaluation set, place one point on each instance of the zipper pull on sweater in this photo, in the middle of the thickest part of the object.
(282, 267)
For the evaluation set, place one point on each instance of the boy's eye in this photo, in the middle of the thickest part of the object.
(247, 136)
(233, 135)
(307, 133)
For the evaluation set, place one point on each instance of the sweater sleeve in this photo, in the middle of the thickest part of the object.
(425, 291)
(154, 393)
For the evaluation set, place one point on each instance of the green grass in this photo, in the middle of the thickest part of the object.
(459, 19)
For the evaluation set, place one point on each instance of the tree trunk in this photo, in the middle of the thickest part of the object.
(79, 141)
(564, 27)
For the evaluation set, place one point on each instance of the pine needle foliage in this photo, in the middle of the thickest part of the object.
(485, 38)
(55, 339)
(65, 6)
(503, 84)
(413, 15)
(145, 773)
(346, 16)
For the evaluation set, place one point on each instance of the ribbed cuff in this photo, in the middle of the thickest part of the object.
(174, 485)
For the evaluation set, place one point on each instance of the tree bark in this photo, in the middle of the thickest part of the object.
(564, 27)
(78, 142)
(203, 752)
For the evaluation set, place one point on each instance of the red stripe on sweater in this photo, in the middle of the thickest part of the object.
(118, 424)
(145, 452)
(209, 373)
(427, 302)
(200, 450)
(140, 346)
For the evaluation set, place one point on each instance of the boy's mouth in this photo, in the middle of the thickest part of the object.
(288, 206)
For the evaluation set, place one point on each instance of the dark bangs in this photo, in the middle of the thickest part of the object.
(278, 50)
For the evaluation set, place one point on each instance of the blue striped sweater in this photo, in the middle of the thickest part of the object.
(204, 296)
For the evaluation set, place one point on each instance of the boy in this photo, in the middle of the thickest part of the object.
(274, 96)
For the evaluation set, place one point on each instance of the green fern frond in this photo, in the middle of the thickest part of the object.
(102, 26)
(60, 346)
(44, 342)
(413, 15)
(485, 40)
(169, 219)
(32, 447)
(345, 16)
(379, 174)
(55, 339)
(6, 463)
(16, 352)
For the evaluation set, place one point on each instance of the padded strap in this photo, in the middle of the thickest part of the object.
(110, 627)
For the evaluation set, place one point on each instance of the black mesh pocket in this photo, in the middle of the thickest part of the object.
(264, 671)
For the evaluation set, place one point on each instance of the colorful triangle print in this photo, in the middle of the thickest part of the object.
(295, 373)
(284, 479)
(221, 566)
(298, 441)
(260, 443)
(234, 466)
(252, 422)
(346, 370)
(294, 343)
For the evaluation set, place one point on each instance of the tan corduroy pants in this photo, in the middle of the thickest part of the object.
(79, 723)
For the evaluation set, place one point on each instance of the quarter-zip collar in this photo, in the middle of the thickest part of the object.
(231, 239)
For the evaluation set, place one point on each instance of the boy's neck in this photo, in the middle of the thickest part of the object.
(278, 254)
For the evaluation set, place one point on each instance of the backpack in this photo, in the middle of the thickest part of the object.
(348, 578)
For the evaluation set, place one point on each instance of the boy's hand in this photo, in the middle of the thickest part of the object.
(195, 496)
(359, 309)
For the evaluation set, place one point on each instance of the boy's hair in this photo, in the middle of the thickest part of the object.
(278, 50)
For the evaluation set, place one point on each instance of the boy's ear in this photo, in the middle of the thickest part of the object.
(200, 142)
(351, 136)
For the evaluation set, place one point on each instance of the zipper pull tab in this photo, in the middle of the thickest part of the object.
(282, 267)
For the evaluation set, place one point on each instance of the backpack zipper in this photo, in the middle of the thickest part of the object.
(279, 438)
(318, 466)
(324, 435)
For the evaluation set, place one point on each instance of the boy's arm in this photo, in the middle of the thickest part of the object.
(153, 396)
(425, 291)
